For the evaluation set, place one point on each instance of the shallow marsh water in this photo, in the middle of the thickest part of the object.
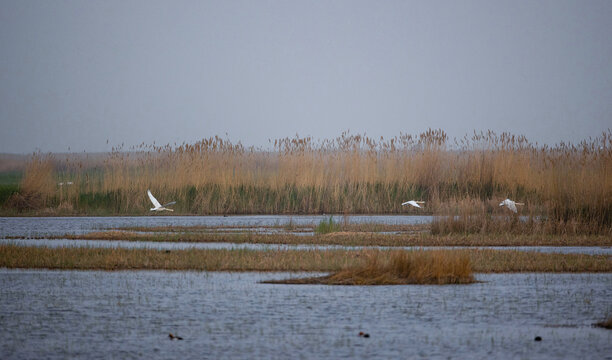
(94, 314)
(40, 226)
(54, 226)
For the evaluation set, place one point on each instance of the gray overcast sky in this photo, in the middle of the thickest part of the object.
(76, 73)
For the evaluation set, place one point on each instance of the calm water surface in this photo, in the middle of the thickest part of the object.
(48, 226)
(93, 314)
(40, 226)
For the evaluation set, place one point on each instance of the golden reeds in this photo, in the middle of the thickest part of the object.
(399, 268)
(349, 174)
(38, 177)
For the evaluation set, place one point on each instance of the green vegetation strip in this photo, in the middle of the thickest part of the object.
(482, 261)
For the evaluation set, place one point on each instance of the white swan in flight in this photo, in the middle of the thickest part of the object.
(413, 203)
(510, 204)
(158, 206)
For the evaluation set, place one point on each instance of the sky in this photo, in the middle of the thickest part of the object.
(88, 75)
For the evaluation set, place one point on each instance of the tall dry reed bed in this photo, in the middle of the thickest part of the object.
(349, 174)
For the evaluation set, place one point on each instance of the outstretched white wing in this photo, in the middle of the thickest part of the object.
(153, 199)
(411, 202)
(509, 204)
(170, 203)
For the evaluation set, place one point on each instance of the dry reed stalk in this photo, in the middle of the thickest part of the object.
(348, 174)
(38, 177)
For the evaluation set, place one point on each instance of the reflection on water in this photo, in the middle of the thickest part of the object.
(41, 226)
(85, 314)
(161, 245)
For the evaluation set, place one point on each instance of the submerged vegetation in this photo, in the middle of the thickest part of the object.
(567, 188)
(399, 268)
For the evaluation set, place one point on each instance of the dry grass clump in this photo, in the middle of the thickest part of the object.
(24, 201)
(401, 267)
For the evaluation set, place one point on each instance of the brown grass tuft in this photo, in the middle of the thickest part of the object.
(401, 267)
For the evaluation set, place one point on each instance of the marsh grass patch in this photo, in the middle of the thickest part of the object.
(400, 268)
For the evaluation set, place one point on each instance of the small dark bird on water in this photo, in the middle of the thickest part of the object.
(537, 338)
(172, 337)
(365, 335)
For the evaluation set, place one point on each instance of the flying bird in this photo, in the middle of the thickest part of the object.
(510, 205)
(158, 206)
(413, 203)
